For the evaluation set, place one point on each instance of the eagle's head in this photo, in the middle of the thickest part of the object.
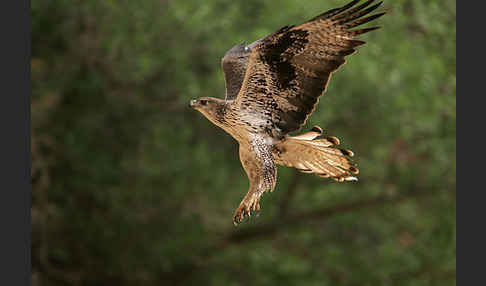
(212, 108)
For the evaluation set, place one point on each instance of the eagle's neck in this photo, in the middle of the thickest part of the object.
(226, 116)
(218, 115)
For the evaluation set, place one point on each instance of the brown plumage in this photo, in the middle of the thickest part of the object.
(273, 85)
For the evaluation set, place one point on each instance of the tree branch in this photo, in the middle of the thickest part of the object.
(273, 228)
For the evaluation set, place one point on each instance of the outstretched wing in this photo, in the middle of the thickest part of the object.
(234, 65)
(289, 69)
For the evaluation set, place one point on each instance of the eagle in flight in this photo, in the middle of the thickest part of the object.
(272, 86)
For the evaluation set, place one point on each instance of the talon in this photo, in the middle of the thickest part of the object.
(246, 218)
(249, 204)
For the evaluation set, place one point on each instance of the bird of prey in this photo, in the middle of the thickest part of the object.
(273, 85)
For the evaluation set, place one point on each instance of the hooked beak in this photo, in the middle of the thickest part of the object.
(192, 103)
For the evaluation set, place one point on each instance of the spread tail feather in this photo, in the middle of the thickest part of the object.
(310, 154)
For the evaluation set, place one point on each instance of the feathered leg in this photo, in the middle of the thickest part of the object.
(257, 160)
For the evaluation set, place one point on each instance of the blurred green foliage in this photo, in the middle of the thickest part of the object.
(131, 187)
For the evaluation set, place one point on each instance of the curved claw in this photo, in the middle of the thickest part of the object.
(243, 212)
(239, 215)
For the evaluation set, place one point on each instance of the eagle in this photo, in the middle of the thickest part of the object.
(273, 85)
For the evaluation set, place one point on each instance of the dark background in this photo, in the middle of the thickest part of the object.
(132, 187)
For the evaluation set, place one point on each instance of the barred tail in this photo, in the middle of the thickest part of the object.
(318, 156)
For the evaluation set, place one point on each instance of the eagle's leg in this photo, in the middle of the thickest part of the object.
(251, 202)
(257, 160)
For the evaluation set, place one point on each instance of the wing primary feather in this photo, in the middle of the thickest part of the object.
(363, 20)
(361, 31)
(330, 13)
(357, 43)
(357, 10)
(352, 11)
(359, 13)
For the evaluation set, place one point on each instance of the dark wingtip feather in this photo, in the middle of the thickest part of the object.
(355, 33)
(357, 43)
(334, 140)
(347, 152)
(354, 170)
(352, 12)
(362, 21)
(333, 12)
(317, 129)
(359, 13)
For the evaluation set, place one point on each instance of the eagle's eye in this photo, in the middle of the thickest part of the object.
(203, 102)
